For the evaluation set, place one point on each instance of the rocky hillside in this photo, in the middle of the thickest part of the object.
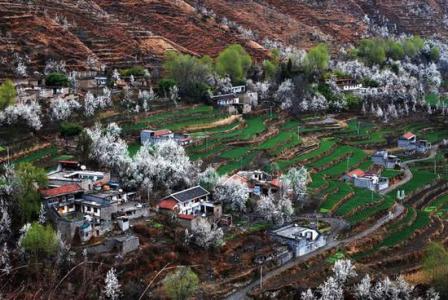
(129, 32)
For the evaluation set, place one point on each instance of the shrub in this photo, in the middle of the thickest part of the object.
(57, 79)
(7, 94)
(40, 240)
(70, 129)
(135, 71)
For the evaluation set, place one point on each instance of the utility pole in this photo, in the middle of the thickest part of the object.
(261, 277)
(359, 124)
(298, 132)
(435, 165)
(348, 160)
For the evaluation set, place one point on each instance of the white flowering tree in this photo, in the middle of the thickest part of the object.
(92, 104)
(273, 210)
(5, 263)
(29, 112)
(54, 66)
(233, 193)
(285, 94)
(209, 178)
(8, 188)
(21, 69)
(295, 181)
(107, 147)
(116, 75)
(112, 288)
(174, 94)
(206, 235)
(343, 270)
(61, 109)
(42, 215)
(336, 286)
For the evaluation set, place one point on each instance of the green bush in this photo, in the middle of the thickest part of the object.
(235, 62)
(190, 73)
(7, 94)
(40, 241)
(57, 79)
(317, 59)
(68, 129)
(135, 71)
(165, 85)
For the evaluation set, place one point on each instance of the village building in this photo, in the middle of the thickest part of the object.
(191, 203)
(157, 136)
(69, 172)
(237, 101)
(370, 181)
(300, 240)
(348, 85)
(409, 142)
(258, 182)
(76, 212)
(388, 161)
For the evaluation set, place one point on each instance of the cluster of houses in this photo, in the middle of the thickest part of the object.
(84, 205)
(237, 101)
(384, 159)
(409, 142)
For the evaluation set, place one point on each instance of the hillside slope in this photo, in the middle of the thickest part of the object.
(122, 33)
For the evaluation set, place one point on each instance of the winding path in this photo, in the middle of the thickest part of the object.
(407, 172)
(242, 293)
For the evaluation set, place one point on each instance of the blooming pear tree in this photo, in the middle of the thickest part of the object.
(233, 193)
(29, 112)
(209, 178)
(107, 147)
(112, 288)
(61, 109)
(206, 235)
(295, 181)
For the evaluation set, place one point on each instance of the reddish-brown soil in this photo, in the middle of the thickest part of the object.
(129, 32)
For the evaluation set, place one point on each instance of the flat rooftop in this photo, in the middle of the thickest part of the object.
(295, 232)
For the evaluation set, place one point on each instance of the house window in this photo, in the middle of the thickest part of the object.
(95, 210)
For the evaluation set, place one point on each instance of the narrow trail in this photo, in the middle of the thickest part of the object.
(407, 172)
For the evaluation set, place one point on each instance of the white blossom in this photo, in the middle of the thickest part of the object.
(29, 112)
(5, 263)
(54, 66)
(363, 289)
(207, 235)
(112, 289)
(308, 295)
(285, 93)
(343, 269)
(209, 178)
(62, 109)
(42, 215)
(296, 180)
(116, 75)
(331, 290)
(234, 193)
(107, 146)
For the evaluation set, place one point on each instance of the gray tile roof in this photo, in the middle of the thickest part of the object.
(189, 194)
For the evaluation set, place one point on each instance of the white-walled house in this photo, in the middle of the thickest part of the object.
(300, 240)
(190, 203)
